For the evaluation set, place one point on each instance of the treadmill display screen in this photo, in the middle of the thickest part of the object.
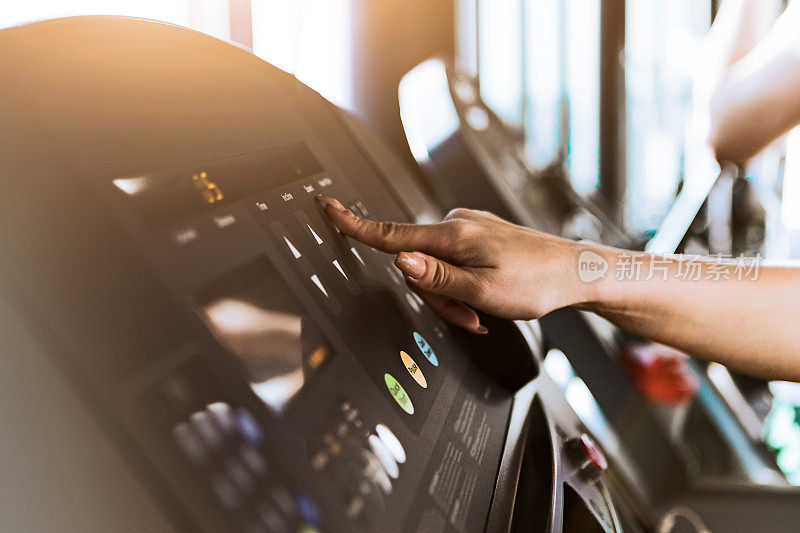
(254, 317)
(163, 196)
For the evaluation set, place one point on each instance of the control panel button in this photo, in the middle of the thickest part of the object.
(589, 457)
(413, 303)
(271, 518)
(413, 369)
(207, 429)
(248, 427)
(399, 394)
(282, 500)
(223, 415)
(319, 284)
(374, 471)
(355, 507)
(338, 266)
(240, 476)
(308, 509)
(185, 236)
(417, 299)
(314, 234)
(357, 255)
(178, 390)
(384, 456)
(394, 275)
(292, 248)
(226, 493)
(359, 209)
(189, 442)
(426, 349)
(253, 459)
(392, 442)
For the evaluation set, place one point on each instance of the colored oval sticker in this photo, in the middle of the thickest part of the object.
(426, 349)
(413, 369)
(399, 394)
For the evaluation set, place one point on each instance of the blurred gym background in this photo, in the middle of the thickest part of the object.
(539, 63)
(601, 89)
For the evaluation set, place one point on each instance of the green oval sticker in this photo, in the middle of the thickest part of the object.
(399, 394)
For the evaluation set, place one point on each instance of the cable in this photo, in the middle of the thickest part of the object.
(667, 522)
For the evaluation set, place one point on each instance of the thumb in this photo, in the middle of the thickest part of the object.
(436, 276)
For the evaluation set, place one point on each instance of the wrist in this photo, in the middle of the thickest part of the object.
(596, 287)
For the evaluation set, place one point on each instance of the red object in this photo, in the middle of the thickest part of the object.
(662, 374)
(593, 453)
(587, 456)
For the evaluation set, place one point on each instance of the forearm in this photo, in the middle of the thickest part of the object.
(745, 317)
(738, 27)
(750, 113)
(751, 99)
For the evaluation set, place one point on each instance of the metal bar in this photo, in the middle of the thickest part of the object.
(466, 51)
(612, 107)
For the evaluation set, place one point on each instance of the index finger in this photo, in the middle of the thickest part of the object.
(390, 237)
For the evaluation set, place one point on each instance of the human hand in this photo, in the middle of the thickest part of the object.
(474, 259)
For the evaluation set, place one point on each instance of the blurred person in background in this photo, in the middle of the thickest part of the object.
(747, 87)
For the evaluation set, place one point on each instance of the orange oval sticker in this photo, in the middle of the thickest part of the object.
(413, 369)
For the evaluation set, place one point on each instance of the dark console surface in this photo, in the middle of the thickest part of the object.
(273, 373)
(355, 372)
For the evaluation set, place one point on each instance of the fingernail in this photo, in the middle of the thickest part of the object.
(483, 330)
(410, 264)
(329, 201)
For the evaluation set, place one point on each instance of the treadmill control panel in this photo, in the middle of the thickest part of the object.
(352, 404)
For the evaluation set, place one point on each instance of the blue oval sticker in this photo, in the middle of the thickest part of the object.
(426, 349)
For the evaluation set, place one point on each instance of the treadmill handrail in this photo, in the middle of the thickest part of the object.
(700, 178)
